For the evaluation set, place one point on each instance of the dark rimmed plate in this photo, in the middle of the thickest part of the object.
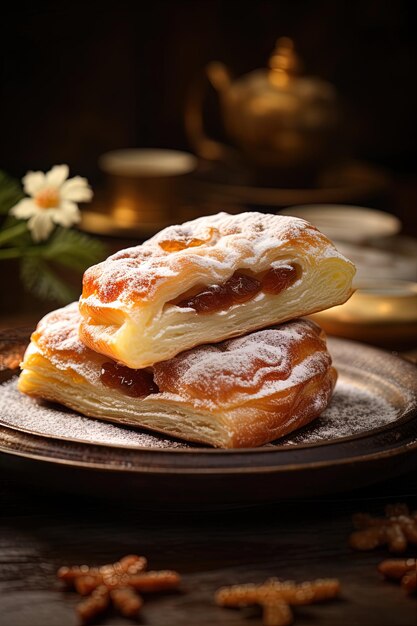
(367, 434)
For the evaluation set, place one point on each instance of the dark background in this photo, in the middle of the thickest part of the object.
(83, 78)
(79, 79)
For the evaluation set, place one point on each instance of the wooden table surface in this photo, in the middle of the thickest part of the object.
(299, 540)
(40, 531)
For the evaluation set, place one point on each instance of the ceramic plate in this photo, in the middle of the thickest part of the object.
(368, 433)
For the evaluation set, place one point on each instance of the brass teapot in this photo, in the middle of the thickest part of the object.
(275, 117)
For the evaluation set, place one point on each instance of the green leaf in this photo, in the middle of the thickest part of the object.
(68, 248)
(73, 249)
(38, 278)
(13, 234)
(10, 192)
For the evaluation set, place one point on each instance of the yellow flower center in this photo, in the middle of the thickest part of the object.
(48, 198)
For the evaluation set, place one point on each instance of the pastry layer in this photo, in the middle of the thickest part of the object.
(242, 392)
(130, 301)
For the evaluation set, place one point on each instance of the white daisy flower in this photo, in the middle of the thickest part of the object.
(53, 200)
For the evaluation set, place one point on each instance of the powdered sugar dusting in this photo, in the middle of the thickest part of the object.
(258, 365)
(261, 364)
(57, 338)
(58, 330)
(228, 243)
(52, 420)
(353, 410)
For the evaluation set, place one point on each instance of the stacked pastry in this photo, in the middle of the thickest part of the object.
(196, 333)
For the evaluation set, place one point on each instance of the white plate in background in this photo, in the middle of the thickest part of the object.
(347, 223)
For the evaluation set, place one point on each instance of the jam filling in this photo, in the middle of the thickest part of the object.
(134, 383)
(184, 240)
(175, 245)
(279, 278)
(240, 288)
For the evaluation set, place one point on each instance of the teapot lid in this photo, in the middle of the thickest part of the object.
(284, 75)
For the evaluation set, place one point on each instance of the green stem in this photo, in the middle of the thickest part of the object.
(17, 253)
(11, 233)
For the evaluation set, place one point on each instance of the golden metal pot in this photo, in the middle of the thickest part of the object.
(276, 117)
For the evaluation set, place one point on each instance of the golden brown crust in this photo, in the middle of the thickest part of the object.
(141, 273)
(227, 372)
(243, 392)
(129, 301)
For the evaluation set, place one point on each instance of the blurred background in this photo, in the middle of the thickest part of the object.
(330, 120)
(80, 79)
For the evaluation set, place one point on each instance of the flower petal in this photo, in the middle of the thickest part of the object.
(76, 189)
(56, 176)
(40, 225)
(33, 182)
(24, 209)
(67, 215)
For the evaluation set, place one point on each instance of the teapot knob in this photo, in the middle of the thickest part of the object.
(284, 62)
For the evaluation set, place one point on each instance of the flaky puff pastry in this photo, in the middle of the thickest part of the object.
(241, 392)
(134, 304)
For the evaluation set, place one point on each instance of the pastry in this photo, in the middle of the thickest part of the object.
(208, 280)
(242, 392)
